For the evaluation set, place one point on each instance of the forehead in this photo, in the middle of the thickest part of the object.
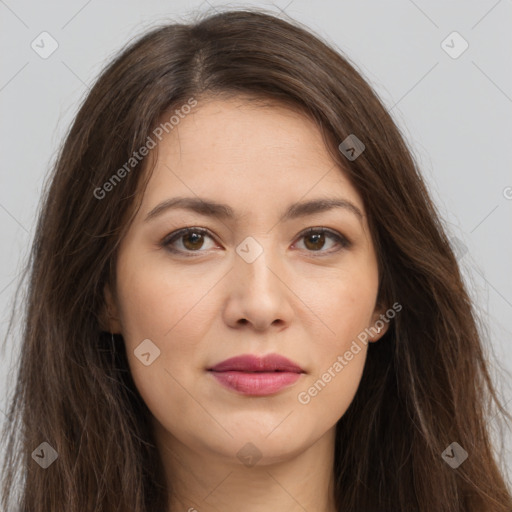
(239, 131)
(256, 153)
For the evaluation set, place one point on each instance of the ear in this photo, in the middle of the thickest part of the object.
(109, 316)
(379, 324)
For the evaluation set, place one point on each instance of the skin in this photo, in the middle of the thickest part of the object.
(304, 299)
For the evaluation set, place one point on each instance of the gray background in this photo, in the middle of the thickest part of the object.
(454, 112)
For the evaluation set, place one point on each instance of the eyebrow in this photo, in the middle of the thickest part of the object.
(223, 211)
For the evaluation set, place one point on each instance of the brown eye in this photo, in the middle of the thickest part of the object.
(192, 240)
(315, 240)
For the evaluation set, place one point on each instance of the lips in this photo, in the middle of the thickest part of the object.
(250, 363)
(257, 376)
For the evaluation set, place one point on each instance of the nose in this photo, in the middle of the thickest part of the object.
(258, 294)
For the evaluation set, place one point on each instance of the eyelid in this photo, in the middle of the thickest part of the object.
(341, 239)
(176, 235)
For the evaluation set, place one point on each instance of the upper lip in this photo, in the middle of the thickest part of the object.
(254, 363)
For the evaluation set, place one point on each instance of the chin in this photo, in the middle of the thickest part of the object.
(268, 446)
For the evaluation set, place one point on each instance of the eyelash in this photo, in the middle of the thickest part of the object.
(176, 235)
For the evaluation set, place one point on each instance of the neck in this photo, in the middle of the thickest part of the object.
(207, 481)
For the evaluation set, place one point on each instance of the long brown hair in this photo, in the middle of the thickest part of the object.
(426, 383)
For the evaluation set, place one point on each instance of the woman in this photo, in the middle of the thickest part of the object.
(242, 297)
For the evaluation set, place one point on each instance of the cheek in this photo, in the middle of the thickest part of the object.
(339, 357)
(158, 301)
(174, 315)
(345, 306)
(327, 395)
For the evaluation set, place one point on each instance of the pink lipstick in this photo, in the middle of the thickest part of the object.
(257, 376)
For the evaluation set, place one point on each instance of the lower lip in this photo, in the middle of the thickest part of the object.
(256, 384)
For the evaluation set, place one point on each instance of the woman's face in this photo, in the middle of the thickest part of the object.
(247, 281)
